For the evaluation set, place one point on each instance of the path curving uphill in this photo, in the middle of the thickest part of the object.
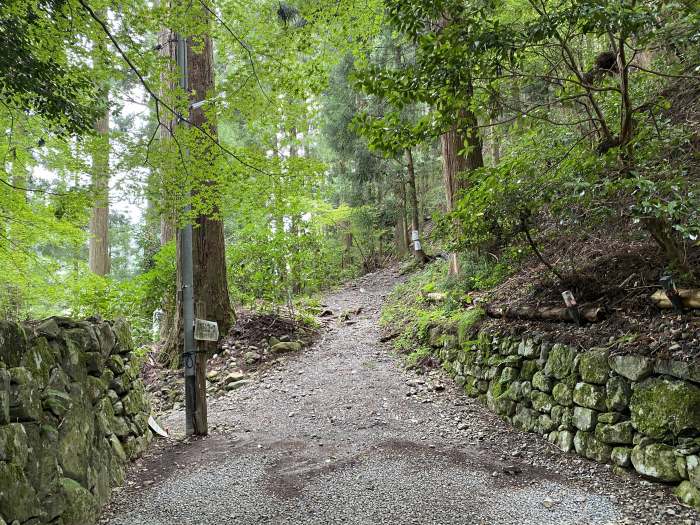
(342, 434)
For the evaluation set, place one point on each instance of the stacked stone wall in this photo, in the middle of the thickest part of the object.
(73, 412)
(632, 411)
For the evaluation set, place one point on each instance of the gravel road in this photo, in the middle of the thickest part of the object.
(342, 434)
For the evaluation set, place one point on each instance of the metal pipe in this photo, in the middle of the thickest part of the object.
(187, 274)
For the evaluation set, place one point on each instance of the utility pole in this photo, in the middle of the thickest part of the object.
(185, 261)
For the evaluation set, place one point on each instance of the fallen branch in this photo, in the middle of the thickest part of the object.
(690, 298)
(592, 314)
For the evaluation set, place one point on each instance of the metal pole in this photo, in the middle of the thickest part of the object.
(189, 353)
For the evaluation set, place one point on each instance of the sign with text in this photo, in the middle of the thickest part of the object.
(206, 330)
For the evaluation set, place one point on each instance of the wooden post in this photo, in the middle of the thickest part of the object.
(201, 427)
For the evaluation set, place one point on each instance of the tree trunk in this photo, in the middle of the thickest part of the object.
(208, 245)
(98, 244)
(459, 137)
(418, 252)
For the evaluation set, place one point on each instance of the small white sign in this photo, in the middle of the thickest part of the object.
(206, 330)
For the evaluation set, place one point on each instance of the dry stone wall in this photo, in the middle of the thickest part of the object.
(632, 411)
(73, 412)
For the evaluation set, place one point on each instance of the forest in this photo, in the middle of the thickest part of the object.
(465, 181)
(316, 141)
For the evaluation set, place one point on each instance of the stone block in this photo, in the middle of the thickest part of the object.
(589, 396)
(593, 366)
(560, 362)
(618, 433)
(542, 382)
(656, 461)
(621, 456)
(688, 494)
(633, 367)
(665, 408)
(584, 419)
(563, 394)
(541, 402)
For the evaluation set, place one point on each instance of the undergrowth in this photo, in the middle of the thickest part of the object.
(411, 312)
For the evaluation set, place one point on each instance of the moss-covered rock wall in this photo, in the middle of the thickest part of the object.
(633, 411)
(72, 413)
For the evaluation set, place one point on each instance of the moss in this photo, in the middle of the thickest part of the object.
(665, 408)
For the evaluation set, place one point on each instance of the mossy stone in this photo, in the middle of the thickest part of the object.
(621, 456)
(593, 366)
(656, 461)
(610, 418)
(618, 433)
(81, 507)
(541, 402)
(589, 396)
(13, 343)
(563, 394)
(618, 393)
(525, 418)
(688, 494)
(565, 440)
(18, 500)
(24, 396)
(584, 419)
(693, 468)
(589, 447)
(528, 369)
(123, 342)
(542, 382)
(560, 362)
(632, 367)
(665, 408)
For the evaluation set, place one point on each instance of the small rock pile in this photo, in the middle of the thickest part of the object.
(236, 362)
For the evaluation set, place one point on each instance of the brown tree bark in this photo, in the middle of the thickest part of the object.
(466, 134)
(208, 245)
(417, 248)
(98, 243)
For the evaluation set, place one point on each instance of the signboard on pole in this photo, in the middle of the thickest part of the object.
(206, 330)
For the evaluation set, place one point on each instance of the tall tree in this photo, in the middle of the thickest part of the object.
(98, 243)
(208, 246)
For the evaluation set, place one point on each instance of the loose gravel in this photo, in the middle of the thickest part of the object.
(342, 434)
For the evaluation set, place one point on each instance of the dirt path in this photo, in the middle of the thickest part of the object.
(341, 434)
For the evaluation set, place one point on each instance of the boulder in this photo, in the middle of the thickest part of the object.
(13, 444)
(565, 440)
(589, 396)
(542, 382)
(584, 419)
(618, 433)
(563, 394)
(688, 494)
(284, 347)
(588, 446)
(541, 401)
(633, 367)
(665, 408)
(18, 500)
(234, 376)
(621, 456)
(656, 461)
(618, 394)
(545, 424)
(560, 362)
(525, 418)
(593, 366)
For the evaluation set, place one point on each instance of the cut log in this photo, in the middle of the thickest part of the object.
(690, 298)
(591, 314)
(435, 297)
